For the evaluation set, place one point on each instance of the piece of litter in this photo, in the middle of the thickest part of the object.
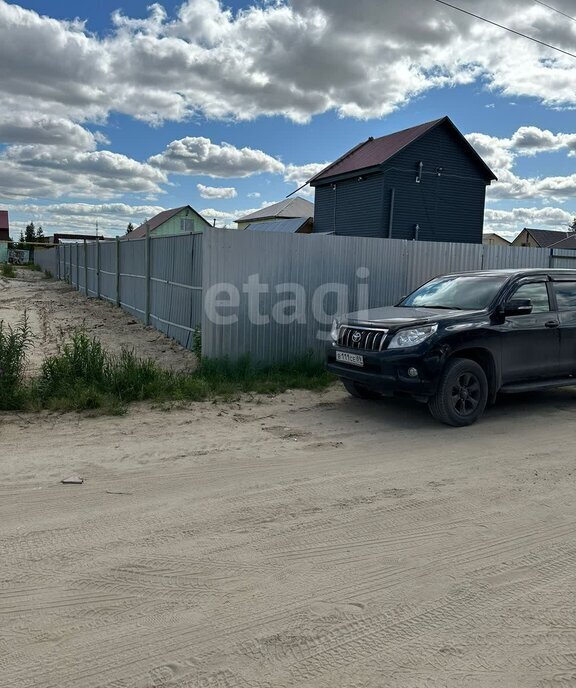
(72, 480)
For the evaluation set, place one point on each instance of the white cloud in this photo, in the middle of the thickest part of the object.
(507, 222)
(112, 218)
(43, 171)
(501, 154)
(216, 191)
(278, 58)
(254, 194)
(32, 128)
(198, 155)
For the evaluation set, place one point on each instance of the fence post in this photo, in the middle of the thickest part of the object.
(70, 264)
(551, 258)
(77, 266)
(118, 271)
(97, 268)
(147, 269)
(85, 268)
(57, 261)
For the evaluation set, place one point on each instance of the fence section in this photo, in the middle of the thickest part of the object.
(272, 296)
(157, 280)
(47, 259)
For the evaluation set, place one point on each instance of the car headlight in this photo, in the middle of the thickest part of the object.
(412, 337)
(335, 331)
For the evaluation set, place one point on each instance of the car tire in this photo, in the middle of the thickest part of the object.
(462, 393)
(359, 391)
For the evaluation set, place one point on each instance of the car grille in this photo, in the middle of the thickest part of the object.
(366, 338)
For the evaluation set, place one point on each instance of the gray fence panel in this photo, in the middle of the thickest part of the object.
(322, 276)
(499, 257)
(176, 285)
(427, 260)
(563, 258)
(91, 249)
(108, 270)
(47, 259)
(133, 276)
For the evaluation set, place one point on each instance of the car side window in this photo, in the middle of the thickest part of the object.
(565, 295)
(537, 293)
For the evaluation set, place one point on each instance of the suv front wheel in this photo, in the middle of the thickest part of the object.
(462, 393)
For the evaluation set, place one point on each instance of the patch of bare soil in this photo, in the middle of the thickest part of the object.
(55, 309)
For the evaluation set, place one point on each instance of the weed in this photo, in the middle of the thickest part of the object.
(197, 342)
(34, 267)
(13, 345)
(7, 270)
(83, 376)
(48, 274)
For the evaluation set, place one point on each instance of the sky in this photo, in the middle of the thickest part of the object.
(113, 110)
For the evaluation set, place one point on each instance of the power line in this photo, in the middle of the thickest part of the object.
(555, 10)
(506, 28)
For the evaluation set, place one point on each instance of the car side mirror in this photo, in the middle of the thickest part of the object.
(518, 307)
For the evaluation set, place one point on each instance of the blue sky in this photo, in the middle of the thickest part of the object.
(114, 110)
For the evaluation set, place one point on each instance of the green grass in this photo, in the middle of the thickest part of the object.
(7, 270)
(14, 342)
(83, 376)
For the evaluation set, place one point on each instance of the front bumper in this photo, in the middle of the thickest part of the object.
(386, 371)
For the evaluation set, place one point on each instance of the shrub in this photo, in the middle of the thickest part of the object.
(7, 270)
(13, 345)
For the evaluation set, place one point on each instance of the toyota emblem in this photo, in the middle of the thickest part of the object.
(356, 337)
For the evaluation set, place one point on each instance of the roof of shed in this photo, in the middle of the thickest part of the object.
(289, 207)
(288, 225)
(374, 152)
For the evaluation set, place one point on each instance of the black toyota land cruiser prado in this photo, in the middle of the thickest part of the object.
(459, 340)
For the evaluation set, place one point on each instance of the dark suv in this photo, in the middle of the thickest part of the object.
(459, 340)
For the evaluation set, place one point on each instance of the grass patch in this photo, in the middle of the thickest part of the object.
(83, 376)
(48, 274)
(34, 267)
(7, 270)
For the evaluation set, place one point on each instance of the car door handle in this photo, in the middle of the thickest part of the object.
(551, 323)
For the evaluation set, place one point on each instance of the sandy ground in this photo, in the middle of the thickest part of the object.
(308, 540)
(54, 310)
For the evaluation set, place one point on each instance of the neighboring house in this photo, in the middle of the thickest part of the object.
(4, 226)
(493, 239)
(297, 225)
(59, 237)
(173, 221)
(424, 183)
(545, 238)
(289, 208)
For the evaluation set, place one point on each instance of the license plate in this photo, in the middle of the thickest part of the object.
(353, 359)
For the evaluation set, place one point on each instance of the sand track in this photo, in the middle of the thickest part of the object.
(301, 540)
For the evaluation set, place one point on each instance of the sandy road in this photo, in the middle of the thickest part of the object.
(302, 540)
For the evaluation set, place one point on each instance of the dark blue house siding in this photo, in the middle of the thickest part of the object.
(447, 204)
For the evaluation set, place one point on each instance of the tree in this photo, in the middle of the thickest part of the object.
(40, 234)
(30, 233)
(21, 237)
(572, 225)
(130, 228)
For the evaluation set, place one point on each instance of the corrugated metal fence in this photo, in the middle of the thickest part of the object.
(272, 296)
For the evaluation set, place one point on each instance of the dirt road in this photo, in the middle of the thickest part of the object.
(303, 540)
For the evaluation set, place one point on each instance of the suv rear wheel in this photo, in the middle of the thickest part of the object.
(359, 391)
(462, 393)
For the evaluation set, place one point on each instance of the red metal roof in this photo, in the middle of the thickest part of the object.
(4, 224)
(375, 152)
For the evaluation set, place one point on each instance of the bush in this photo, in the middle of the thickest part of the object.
(7, 270)
(13, 345)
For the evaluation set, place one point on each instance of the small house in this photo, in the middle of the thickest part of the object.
(425, 183)
(545, 238)
(173, 221)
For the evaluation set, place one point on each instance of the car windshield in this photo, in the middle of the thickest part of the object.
(472, 292)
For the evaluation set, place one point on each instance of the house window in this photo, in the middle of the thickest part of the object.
(186, 224)
(565, 295)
